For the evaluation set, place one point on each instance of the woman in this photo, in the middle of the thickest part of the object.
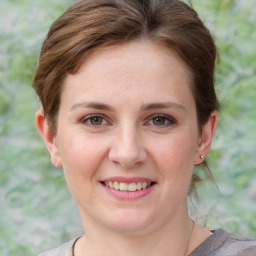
(128, 109)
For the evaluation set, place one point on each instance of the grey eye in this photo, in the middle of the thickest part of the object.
(159, 120)
(97, 120)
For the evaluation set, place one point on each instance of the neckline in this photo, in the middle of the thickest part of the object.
(208, 242)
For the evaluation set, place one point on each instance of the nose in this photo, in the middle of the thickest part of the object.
(127, 148)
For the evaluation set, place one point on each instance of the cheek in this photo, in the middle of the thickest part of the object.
(80, 158)
(175, 156)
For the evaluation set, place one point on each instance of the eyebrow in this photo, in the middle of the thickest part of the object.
(164, 105)
(146, 107)
(94, 105)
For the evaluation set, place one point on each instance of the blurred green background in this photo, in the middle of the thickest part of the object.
(37, 211)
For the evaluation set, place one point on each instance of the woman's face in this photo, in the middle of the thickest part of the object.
(128, 119)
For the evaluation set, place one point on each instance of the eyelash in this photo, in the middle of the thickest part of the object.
(89, 118)
(168, 121)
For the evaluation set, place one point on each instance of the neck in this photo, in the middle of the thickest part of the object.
(171, 239)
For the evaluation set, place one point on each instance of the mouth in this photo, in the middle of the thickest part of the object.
(127, 187)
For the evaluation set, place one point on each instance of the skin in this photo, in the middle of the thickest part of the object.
(149, 129)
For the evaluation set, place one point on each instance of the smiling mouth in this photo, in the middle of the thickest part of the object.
(127, 187)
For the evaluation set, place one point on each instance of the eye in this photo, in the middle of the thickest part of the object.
(161, 120)
(97, 120)
(94, 120)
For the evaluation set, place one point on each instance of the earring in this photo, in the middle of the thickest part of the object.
(56, 164)
(202, 157)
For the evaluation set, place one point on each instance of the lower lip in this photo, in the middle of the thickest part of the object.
(127, 195)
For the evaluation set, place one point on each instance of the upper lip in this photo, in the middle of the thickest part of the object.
(127, 179)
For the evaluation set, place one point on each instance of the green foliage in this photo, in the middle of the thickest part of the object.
(37, 211)
(232, 159)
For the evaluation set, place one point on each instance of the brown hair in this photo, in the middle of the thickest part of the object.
(93, 23)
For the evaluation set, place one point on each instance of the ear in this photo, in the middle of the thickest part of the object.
(206, 137)
(49, 140)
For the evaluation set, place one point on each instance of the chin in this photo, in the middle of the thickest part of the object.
(129, 222)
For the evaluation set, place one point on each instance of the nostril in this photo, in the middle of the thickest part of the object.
(127, 151)
(116, 162)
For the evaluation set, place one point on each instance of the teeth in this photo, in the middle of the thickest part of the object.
(127, 186)
(139, 186)
(116, 185)
(111, 185)
(132, 186)
(123, 186)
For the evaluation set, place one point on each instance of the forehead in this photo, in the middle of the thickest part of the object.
(150, 55)
(140, 66)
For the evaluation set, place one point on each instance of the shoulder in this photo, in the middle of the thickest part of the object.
(222, 243)
(65, 249)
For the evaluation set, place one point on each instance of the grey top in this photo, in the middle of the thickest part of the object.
(220, 243)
